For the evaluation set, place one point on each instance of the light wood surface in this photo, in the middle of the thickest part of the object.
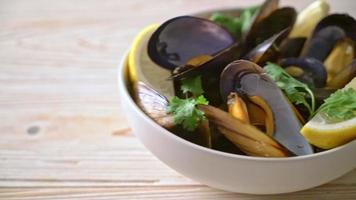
(63, 133)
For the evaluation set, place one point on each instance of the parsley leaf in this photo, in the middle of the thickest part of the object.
(185, 111)
(341, 105)
(236, 25)
(296, 91)
(192, 85)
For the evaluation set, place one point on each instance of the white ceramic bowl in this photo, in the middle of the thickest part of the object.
(230, 172)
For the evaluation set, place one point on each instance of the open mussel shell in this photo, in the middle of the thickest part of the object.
(292, 47)
(153, 104)
(231, 74)
(210, 72)
(323, 41)
(268, 50)
(216, 63)
(274, 23)
(344, 21)
(344, 76)
(342, 54)
(247, 78)
(313, 71)
(249, 139)
(266, 9)
(182, 38)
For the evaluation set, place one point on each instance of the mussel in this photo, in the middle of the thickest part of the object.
(312, 71)
(323, 42)
(266, 9)
(344, 21)
(303, 28)
(333, 44)
(181, 39)
(344, 76)
(274, 23)
(189, 46)
(249, 139)
(248, 79)
(155, 106)
(268, 50)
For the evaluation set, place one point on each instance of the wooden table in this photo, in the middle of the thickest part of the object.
(63, 133)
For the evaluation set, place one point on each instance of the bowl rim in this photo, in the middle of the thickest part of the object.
(122, 85)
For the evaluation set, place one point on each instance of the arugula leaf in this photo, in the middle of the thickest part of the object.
(185, 111)
(341, 105)
(192, 85)
(296, 91)
(236, 25)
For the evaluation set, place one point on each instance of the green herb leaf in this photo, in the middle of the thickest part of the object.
(192, 85)
(185, 111)
(296, 91)
(341, 105)
(237, 25)
(232, 24)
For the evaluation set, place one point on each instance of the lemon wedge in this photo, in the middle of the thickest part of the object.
(324, 134)
(329, 135)
(142, 68)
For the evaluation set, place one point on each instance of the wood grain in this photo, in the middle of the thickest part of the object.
(63, 132)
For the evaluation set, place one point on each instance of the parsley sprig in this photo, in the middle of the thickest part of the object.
(341, 105)
(186, 113)
(192, 85)
(296, 91)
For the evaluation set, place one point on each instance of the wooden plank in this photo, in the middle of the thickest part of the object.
(329, 192)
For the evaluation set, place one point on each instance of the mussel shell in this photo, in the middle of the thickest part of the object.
(266, 9)
(323, 41)
(182, 38)
(277, 21)
(344, 21)
(215, 64)
(247, 78)
(292, 47)
(210, 72)
(314, 72)
(268, 50)
(344, 76)
(153, 104)
(230, 75)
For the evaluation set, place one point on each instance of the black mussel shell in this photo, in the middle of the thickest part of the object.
(323, 42)
(210, 72)
(277, 21)
(230, 76)
(215, 64)
(182, 38)
(268, 50)
(314, 72)
(249, 79)
(266, 9)
(344, 21)
(292, 47)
